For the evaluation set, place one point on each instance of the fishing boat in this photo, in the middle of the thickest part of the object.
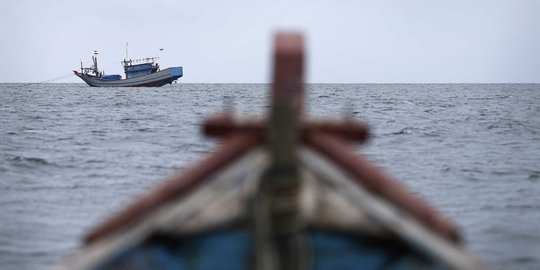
(280, 192)
(143, 72)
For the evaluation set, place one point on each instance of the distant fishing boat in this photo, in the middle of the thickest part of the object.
(281, 192)
(143, 72)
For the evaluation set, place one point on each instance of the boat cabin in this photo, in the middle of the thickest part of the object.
(140, 67)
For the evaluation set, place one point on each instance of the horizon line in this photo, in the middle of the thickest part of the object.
(305, 83)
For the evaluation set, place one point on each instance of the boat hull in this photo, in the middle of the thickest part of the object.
(160, 78)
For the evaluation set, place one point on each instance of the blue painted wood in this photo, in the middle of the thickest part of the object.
(140, 70)
(114, 77)
(232, 250)
(228, 250)
(341, 251)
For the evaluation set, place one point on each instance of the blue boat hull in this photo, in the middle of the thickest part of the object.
(160, 78)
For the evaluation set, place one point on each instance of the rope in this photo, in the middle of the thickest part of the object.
(45, 81)
(147, 51)
(142, 49)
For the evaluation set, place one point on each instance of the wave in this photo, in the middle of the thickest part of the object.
(32, 162)
(404, 131)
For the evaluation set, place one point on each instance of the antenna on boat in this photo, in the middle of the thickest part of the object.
(159, 50)
(126, 51)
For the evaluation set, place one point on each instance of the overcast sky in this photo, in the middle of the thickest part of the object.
(230, 41)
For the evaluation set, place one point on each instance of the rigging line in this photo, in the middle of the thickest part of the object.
(107, 55)
(141, 49)
(45, 81)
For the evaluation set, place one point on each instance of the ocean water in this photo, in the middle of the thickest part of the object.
(71, 155)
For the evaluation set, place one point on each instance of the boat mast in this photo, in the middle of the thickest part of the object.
(126, 62)
(94, 58)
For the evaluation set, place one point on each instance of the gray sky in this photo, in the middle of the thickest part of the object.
(230, 41)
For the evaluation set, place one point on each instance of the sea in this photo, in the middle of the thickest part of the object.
(72, 155)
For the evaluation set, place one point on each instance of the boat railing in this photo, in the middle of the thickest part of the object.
(148, 60)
